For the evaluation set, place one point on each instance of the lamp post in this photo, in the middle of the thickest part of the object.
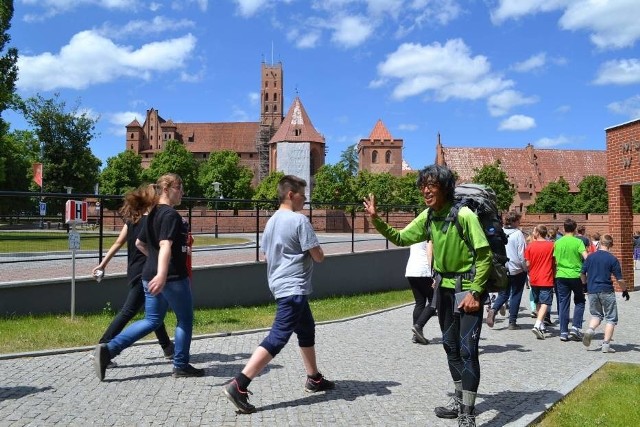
(217, 195)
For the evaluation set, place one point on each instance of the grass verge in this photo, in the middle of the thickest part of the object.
(607, 398)
(42, 332)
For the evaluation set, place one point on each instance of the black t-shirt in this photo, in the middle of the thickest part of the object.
(135, 258)
(165, 223)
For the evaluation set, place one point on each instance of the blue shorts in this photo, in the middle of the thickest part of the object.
(542, 294)
(293, 314)
(603, 306)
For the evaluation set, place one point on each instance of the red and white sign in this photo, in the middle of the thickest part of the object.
(75, 212)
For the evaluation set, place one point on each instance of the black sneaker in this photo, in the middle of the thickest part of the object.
(321, 384)
(575, 335)
(101, 359)
(187, 371)
(238, 397)
(168, 351)
(539, 333)
(513, 326)
(418, 333)
(450, 411)
(547, 322)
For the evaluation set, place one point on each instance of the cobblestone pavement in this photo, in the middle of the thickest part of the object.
(382, 378)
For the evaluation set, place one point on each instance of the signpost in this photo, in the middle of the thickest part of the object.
(75, 212)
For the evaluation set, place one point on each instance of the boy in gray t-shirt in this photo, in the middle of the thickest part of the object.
(290, 246)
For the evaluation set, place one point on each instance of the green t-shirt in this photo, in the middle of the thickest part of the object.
(567, 251)
(450, 252)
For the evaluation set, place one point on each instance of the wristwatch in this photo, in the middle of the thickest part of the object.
(475, 295)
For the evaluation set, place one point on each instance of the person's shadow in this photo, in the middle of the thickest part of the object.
(348, 390)
(508, 402)
(17, 392)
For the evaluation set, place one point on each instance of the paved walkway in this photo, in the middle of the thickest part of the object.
(382, 378)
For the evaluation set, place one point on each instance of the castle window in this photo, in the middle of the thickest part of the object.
(266, 108)
(190, 138)
(151, 138)
(275, 108)
(266, 84)
(374, 156)
(275, 96)
(204, 155)
(132, 136)
(297, 132)
(266, 97)
(151, 127)
(275, 84)
(132, 146)
(387, 157)
(251, 155)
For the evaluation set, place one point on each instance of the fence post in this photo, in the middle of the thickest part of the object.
(353, 230)
(101, 229)
(257, 232)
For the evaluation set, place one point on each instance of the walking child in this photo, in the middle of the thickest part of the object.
(290, 246)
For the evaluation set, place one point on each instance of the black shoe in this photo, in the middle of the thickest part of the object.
(418, 333)
(187, 371)
(321, 384)
(513, 326)
(451, 410)
(238, 397)
(547, 322)
(168, 351)
(101, 359)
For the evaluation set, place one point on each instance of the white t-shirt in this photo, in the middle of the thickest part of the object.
(418, 264)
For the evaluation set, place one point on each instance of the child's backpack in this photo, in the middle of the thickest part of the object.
(483, 202)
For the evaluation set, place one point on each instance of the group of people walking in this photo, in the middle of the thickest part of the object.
(447, 272)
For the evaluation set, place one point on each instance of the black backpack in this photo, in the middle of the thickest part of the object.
(483, 202)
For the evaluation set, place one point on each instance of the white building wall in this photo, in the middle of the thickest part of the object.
(294, 158)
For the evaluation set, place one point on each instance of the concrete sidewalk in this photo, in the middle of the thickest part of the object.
(382, 378)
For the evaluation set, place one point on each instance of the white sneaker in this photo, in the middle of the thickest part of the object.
(606, 348)
(586, 338)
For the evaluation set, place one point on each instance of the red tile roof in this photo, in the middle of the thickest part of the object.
(211, 137)
(380, 132)
(296, 126)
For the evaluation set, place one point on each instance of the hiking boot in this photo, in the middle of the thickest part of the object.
(168, 351)
(467, 418)
(606, 348)
(539, 333)
(239, 397)
(101, 358)
(451, 410)
(586, 339)
(491, 317)
(503, 310)
(187, 371)
(320, 384)
(575, 335)
(418, 333)
(513, 326)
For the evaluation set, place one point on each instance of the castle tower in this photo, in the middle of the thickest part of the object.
(297, 148)
(381, 152)
(271, 102)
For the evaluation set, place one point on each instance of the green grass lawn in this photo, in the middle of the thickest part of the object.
(40, 332)
(608, 398)
(52, 241)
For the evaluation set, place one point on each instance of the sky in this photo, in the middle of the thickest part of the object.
(480, 73)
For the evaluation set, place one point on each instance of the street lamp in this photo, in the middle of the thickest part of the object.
(217, 195)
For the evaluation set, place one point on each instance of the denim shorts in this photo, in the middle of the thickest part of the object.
(603, 306)
(542, 294)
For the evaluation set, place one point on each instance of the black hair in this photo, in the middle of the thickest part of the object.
(441, 175)
(290, 183)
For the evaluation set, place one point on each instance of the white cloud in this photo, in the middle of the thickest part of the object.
(563, 109)
(551, 142)
(249, 8)
(240, 115)
(157, 25)
(532, 63)
(630, 107)
(254, 98)
(52, 8)
(408, 127)
(612, 24)
(351, 31)
(304, 40)
(619, 72)
(118, 121)
(91, 59)
(500, 103)
(448, 71)
(517, 122)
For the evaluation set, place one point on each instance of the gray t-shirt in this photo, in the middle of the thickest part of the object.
(286, 240)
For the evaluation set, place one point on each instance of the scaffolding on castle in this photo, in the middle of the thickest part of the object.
(265, 134)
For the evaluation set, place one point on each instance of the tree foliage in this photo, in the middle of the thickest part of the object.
(349, 159)
(268, 188)
(65, 136)
(8, 77)
(175, 158)
(334, 186)
(20, 150)
(554, 198)
(224, 167)
(496, 178)
(122, 173)
(592, 197)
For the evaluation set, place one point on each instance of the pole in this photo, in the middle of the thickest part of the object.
(42, 181)
(73, 275)
(216, 226)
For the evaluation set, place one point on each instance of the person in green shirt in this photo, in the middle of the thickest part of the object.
(453, 264)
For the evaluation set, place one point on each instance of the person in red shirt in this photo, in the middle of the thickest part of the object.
(541, 265)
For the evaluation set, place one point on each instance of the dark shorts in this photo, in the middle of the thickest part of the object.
(542, 294)
(293, 314)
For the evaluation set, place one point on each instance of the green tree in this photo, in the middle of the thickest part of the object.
(494, 177)
(8, 77)
(20, 150)
(175, 158)
(122, 173)
(268, 188)
(334, 185)
(554, 198)
(636, 199)
(349, 159)
(592, 197)
(408, 193)
(65, 137)
(235, 179)
(383, 185)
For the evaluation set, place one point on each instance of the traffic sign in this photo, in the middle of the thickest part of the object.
(75, 212)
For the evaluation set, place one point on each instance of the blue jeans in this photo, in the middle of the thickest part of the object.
(513, 293)
(177, 295)
(564, 287)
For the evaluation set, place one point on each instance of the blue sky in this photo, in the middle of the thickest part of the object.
(482, 73)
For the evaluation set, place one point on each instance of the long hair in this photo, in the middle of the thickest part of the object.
(137, 202)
